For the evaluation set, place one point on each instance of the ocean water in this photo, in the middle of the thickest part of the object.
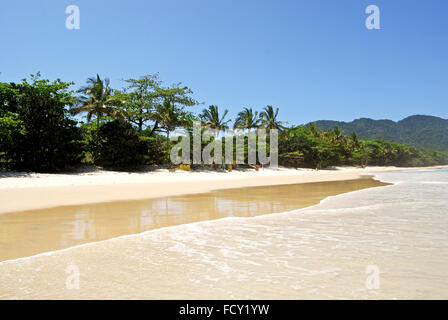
(387, 242)
(27, 233)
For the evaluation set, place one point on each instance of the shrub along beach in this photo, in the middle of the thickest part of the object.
(46, 126)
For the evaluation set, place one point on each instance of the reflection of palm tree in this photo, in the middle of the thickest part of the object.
(247, 119)
(269, 119)
(97, 100)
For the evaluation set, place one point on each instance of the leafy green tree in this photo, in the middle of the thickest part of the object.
(120, 146)
(10, 123)
(322, 155)
(156, 153)
(141, 97)
(10, 127)
(178, 98)
(44, 138)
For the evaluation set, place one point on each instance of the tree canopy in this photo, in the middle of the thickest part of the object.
(40, 129)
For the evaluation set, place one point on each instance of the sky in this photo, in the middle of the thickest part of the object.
(314, 59)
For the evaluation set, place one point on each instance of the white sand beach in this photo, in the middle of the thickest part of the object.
(321, 251)
(26, 191)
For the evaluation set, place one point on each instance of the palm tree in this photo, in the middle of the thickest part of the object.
(98, 100)
(247, 119)
(169, 117)
(336, 135)
(354, 141)
(269, 119)
(212, 119)
(314, 130)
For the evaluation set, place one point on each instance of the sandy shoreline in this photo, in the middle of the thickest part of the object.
(20, 192)
(284, 256)
(320, 252)
(27, 233)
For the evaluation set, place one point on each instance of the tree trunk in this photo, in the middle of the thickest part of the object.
(97, 127)
(140, 121)
(168, 147)
(156, 125)
(140, 124)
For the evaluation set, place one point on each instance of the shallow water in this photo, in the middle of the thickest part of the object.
(327, 251)
(28, 233)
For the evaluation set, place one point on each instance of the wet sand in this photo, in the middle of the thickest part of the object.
(27, 233)
(30, 191)
(326, 251)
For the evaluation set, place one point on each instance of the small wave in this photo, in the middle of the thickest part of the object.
(191, 226)
(298, 255)
(196, 226)
(413, 177)
(434, 182)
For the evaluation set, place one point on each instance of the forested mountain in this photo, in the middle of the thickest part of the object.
(422, 131)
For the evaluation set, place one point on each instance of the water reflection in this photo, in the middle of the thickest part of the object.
(31, 232)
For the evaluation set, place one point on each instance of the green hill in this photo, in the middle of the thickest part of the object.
(422, 131)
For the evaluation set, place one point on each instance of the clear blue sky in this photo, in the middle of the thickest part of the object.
(313, 59)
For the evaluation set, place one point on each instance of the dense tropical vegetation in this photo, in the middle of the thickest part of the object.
(420, 131)
(46, 126)
(36, 130)
(307, 146)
